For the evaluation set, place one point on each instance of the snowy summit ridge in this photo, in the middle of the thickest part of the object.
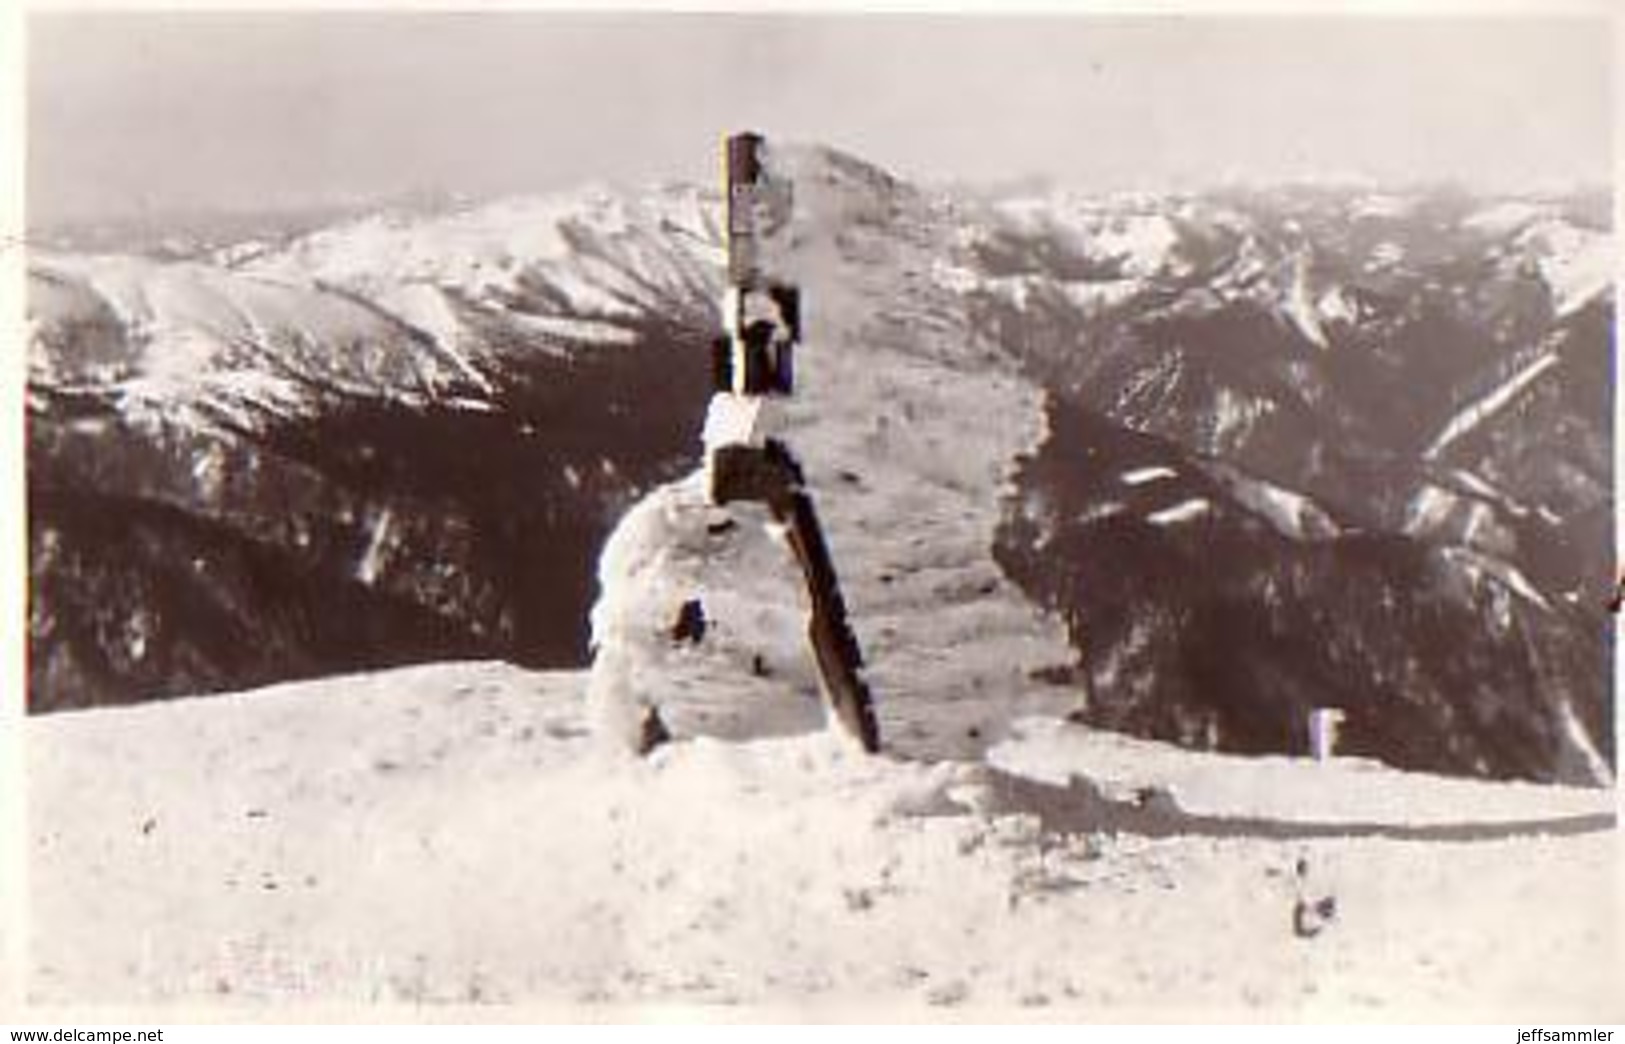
(907, 424)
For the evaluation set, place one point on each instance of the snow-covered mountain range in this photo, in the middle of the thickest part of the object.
(1185, 466)
(278, 460)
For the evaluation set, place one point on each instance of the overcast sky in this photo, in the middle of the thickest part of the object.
(158, 111)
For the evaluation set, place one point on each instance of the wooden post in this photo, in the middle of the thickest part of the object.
(763, 319)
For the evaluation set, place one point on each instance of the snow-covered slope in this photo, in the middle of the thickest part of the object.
(393, 307)
(579, 263)
(1323, 262)
(451, 835)
(185, 343)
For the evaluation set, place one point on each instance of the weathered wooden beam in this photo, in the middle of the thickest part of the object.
(763, 319)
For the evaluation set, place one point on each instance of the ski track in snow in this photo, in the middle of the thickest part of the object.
(452, 835)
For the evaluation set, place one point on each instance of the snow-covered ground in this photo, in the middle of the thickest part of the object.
(453, 835)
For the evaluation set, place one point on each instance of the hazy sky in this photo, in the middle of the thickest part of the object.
(131, 111)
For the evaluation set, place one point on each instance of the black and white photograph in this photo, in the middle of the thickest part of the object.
(1069, 516)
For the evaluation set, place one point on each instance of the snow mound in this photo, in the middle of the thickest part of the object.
(1341, 790)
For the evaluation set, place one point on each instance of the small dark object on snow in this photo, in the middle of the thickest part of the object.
(1308, 918)
(691, 623)
(720, 526)
(759, 667)
(652, 732)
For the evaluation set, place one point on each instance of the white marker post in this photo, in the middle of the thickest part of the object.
(1323, 726)
(1314, 907)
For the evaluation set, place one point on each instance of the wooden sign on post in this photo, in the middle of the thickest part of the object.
(747, 461)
